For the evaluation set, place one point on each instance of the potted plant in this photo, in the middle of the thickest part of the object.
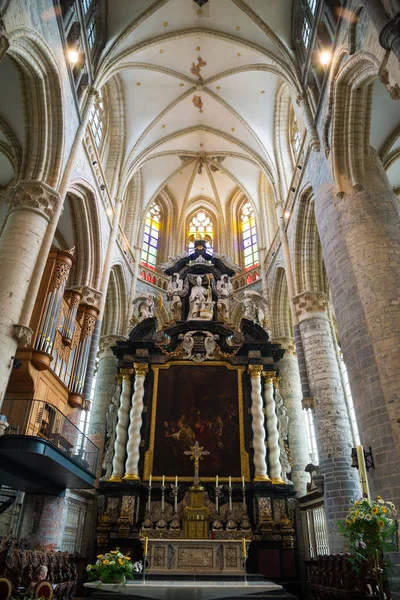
(113, 567)
(369, 531)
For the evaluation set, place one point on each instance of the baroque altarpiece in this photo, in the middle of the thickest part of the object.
(198, 373)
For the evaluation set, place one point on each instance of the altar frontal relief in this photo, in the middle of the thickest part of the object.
(197, 403)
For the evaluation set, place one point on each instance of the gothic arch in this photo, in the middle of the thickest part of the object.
(43, 101)
(281, 324)
(87, 234)
(309, 270)
(116, 306)
(282, 149)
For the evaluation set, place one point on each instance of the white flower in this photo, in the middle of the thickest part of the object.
(368, 517)
(120, 555)
(88, 568)
(112, 562)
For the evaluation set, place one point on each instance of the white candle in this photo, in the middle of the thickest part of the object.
(176, 480)
(216, 481)
(230, 481)
(163, 481)
(243, 480)
(150, 481)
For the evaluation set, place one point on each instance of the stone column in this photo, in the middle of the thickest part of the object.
(32, 205)
(43, 520)
(332, 426)
(122, 426)
(291, 392)
(133, 454)
(259, 459)
(104, 390)
(360, 237)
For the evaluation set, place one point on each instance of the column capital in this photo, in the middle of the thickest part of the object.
(310, 304)
(141, 369)
(269, 376)
(126, 374)
(90, 296)
(35, 196)
(255, 371)
(287, 343)
(275, 381)
(108, 341)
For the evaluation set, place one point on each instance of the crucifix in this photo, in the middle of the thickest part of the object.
(196, 453)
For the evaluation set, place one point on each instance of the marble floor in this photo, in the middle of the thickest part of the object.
(185, 590)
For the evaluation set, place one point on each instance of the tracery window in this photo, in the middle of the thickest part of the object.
(151, 236)
(91, 33)
(312, 6)
(249, 236)
(201, 227)
(96, 120)
(296, 137)
(306, 33)
(86, 5)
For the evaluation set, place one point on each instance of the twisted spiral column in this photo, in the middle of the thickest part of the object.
(274, 451)
(122, 426)
(132, 461)
(260, 464)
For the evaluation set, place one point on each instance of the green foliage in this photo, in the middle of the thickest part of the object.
(370, 531)
(113, 567)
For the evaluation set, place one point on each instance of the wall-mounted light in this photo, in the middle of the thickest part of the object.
(287, 214)
(368, 458)
(73, 56)
(109, 211)
(325, 58)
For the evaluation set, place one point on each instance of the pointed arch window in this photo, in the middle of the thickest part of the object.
(306, 33)
(96, 120)
(151, 236)
(249, 236)
(312, 4)
(201, 227)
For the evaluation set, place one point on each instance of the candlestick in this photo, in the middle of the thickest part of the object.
(244, 548)
(163, 481)
(243, 484)
(146, 546)
(362, 471)
(230, 481)
(176, 480)
(216, 481)
(150, 481)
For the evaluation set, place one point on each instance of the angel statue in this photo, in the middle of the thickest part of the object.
(283, 429)
(175, 292)
(224, 290)
(256, 309)
(146, 305)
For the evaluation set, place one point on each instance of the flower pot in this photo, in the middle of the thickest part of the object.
(112, 578)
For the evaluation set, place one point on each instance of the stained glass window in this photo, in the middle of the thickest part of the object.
(151, 236)
(249, 236)
(313, 5)
(96, 120)
(86, 5)
(201, 228)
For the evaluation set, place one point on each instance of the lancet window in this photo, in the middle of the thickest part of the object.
(96, 120)
(312, 6)
(201, 227)
(306, 33)
(151, 236)
(249, 236)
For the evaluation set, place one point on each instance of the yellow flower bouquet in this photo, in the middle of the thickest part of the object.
(370, 530)
(113, 567)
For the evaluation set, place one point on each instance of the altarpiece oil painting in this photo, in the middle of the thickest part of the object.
(201, 403)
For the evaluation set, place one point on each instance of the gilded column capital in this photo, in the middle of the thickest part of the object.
(255, 371)
(126, 374)
(118, 378)
(275, 381)
(308, 304)
(269, 376)
(141, 369)
(35, 196)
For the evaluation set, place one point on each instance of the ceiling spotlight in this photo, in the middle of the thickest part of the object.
(287, 214)
(325, 57)
(73, 56)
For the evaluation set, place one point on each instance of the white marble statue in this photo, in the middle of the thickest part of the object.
(145, 307)
(111, 422)
(175, 292)
(283, 429)
(224, 290)
(255, 308)
(200, 301)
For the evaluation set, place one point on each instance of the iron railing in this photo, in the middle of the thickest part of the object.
(43, 420)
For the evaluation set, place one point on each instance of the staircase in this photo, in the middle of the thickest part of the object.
(7, 497)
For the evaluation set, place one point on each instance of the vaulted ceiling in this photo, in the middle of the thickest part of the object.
(199, 85)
